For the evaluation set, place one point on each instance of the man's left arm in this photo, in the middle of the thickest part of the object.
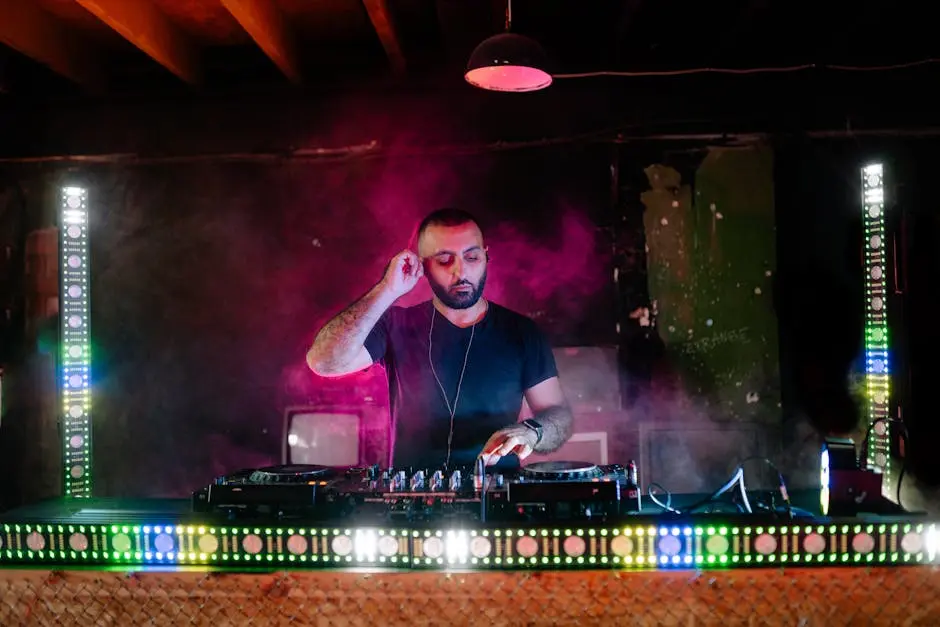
(543, 394)
(549, 410)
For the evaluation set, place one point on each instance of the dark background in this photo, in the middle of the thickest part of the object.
(239, 212)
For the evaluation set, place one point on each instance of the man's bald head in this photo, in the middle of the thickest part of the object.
(446, 217)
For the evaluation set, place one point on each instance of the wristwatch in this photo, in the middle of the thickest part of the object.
(535, 426)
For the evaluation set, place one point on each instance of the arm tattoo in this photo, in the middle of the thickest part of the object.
(557, 426)
(338, 342)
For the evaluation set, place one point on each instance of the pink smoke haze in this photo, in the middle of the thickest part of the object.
(221, 298)
(561, 267)
(552, 271)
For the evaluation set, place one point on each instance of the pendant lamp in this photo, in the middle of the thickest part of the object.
(508, 62)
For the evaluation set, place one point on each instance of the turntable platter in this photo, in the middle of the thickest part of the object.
(293, 473)
(561, 470)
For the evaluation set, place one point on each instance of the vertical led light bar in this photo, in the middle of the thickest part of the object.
(74, 340)
(877, 369)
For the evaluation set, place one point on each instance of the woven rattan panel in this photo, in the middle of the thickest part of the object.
(818, 596)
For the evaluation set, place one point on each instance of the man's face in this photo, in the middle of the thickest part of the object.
(455, 263)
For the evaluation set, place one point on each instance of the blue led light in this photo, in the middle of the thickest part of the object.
(877, 362)
(75, 337)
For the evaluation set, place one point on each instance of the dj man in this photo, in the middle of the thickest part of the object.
(458, 365)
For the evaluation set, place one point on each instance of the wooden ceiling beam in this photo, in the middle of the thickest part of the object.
(262, 20)
(385, 28)
(145, 26)
(32, 32)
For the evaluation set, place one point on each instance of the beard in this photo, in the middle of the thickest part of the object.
(455, 299)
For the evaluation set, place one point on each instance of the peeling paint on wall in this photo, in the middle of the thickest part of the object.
(711, 262)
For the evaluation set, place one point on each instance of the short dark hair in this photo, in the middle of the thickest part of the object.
(448, 216)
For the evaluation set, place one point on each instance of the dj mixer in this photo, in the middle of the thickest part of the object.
(550, 514)
(538, 492)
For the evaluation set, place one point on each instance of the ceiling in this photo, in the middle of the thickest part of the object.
(79, 46)
(162, 77)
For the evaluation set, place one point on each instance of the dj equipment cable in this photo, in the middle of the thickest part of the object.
(737, 479)
(481, 469)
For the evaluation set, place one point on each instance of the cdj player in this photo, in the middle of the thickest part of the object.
(541, 491)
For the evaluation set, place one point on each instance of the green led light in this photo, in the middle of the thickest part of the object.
(877, 364)
(193, 545)
(75, 350)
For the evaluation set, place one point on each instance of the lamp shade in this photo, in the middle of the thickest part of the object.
(508, 62)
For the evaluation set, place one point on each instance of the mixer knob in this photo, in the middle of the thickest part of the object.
(492, 481)
(437, 480)
(398, 481)
(455, 481)
(479, 471)
(417, 481)
(632, 472)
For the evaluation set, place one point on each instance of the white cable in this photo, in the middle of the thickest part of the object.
(734, 479)
(747, 504)
(667, 506)
(452, 410)
(755, 70)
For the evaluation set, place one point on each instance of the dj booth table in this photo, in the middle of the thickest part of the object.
(118, 562)
(825, 596)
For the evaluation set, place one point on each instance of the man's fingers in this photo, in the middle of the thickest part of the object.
(492, 444)
(509, 444)
(522, 451)
(401, 263)
(491, 450)
(407, 257)
(501, 444)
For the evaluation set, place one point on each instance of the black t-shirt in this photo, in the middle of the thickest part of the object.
(508, 355)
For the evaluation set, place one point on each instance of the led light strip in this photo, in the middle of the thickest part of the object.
(877, 368)
(633, 546)
(75, 342)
